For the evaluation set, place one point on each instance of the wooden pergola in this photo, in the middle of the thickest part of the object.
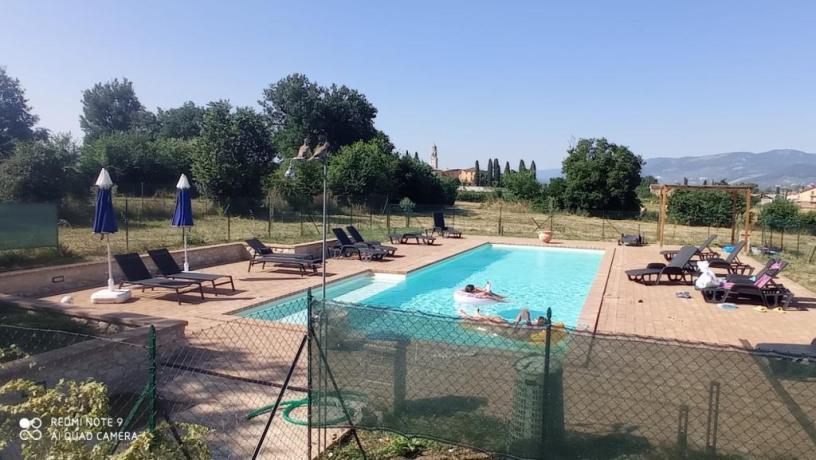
(735, 190)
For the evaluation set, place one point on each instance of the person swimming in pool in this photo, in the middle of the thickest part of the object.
(485, 292)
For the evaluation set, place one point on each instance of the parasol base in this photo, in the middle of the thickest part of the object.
(111, 296)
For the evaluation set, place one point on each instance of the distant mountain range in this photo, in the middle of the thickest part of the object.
(784, 167)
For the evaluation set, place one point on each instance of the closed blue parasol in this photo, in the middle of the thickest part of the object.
(104, 217)
(183, 215)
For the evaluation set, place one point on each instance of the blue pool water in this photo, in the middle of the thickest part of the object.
(529, 277)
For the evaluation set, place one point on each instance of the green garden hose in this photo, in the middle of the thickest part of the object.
(291, 405)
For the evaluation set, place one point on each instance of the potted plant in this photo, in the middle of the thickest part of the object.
(545, 236)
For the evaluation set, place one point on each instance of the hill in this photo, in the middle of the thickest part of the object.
(783, 167)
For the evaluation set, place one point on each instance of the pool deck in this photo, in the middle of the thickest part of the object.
(614, 304)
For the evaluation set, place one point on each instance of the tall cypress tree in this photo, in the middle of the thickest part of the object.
(477, 174)
(507, 168)
(489, 175)
(416, 156)
(533, 167)
(522, 166)
(496, 172)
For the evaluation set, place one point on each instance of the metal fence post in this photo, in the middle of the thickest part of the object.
(269, 217)
(545, 413)
(151, 420)
(499, 229)
(301, 222)
(309, 389)
(388, 220)
(127, 227)
(229, 232)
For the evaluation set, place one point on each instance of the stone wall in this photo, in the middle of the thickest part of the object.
(120, 362)
(46, 281)
(59, 279)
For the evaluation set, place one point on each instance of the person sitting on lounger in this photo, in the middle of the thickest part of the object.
(484, 293)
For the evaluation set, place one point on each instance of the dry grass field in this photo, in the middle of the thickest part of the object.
(148, 226)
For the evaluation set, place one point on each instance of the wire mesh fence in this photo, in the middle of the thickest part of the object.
(545, 391)
(501, 389)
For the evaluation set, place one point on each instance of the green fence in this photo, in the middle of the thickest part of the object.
(506, 391)
(28, 225)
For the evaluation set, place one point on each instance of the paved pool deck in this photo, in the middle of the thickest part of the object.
(614, 304)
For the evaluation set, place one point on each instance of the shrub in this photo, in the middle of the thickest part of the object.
(779, 214)
(703, 207)
(472, 197)
(39, 171)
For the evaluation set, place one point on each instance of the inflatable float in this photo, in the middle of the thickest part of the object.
(462, 297)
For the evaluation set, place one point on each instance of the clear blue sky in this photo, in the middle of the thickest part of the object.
(481, 79)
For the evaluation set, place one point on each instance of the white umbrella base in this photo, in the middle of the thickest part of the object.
(110, 296)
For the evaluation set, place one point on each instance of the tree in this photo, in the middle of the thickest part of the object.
(533, 167)
(417, 181)
(601, 175)
(497, 174)
(40, 171)
(476, 174)
(522, 185)
(489, 173)
(522, 167)
(136, 159)
(110, 107)
(416, 156)
(182, 122)
(298, 108)
(362, 168)
(233, 155)
(779, 214)
(507, 169)
(16, 119)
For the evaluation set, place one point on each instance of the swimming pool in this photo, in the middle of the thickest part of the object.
(530, 277)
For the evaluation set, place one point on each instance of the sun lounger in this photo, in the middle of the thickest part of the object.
(358, 238)
(137, 274)
(260, 249)
(764, 287)
(743, 277)
(262, 254)
(677, 270)
(402, 237)
(170, 269)
(442, 229)
(362, 250)
(731, 262)
(704, 251)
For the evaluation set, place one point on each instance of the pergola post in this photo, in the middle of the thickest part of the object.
(747, 229)
(734, 215)
(661, 220)
(733, 190)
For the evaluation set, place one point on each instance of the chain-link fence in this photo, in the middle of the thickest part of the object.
(140, 394)
(554, 392)
(523, 392)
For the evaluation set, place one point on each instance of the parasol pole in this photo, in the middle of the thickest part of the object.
(184, 236)
(110, 269)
